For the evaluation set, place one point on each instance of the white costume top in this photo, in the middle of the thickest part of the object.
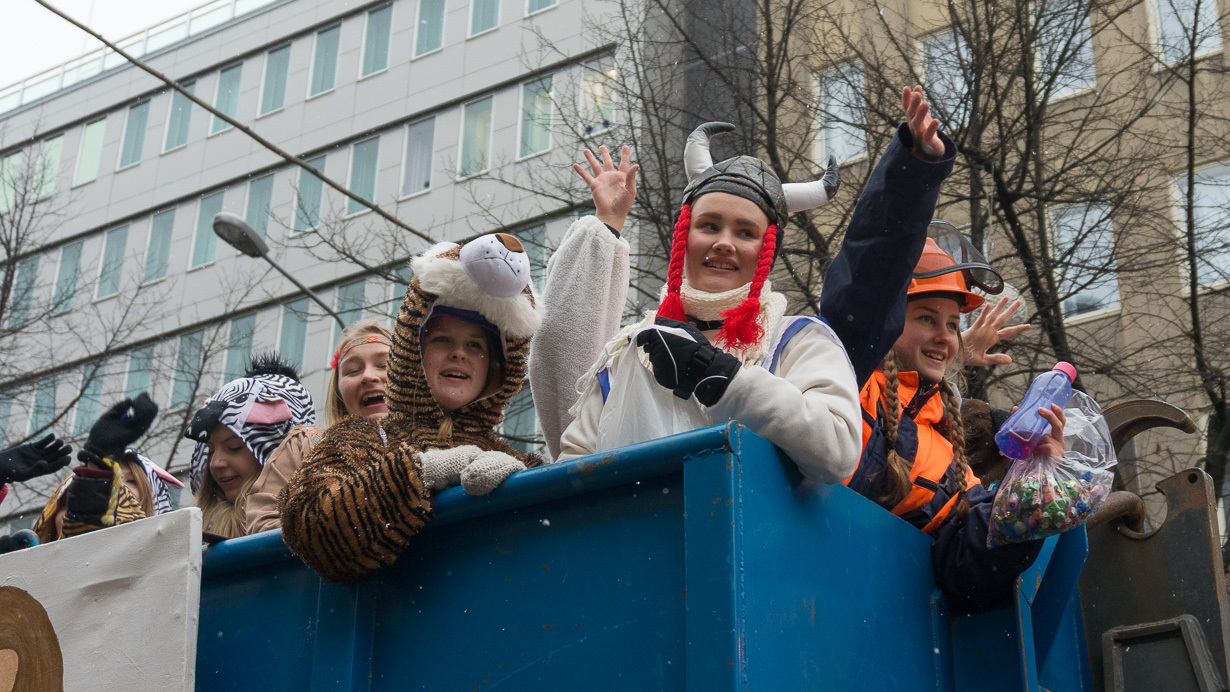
(802, 396)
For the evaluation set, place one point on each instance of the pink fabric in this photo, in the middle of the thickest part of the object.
(166, 476)
(4, 490)
(274, 411)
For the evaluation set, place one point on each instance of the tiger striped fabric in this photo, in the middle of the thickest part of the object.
(123, 507)
(359, 498)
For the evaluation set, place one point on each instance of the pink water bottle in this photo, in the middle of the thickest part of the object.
(1024, 430)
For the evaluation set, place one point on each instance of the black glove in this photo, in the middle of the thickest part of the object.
(832, 177)
(122, 425)
(89, 495)
(685, 366)
(34, 459)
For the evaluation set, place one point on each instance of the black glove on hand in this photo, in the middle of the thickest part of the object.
(89, 495)
(34, 459)
(122, 425)
(685, 366)
(832, 177)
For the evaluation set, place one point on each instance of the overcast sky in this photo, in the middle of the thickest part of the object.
(33, 39)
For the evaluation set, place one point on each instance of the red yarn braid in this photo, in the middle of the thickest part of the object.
(672, 305)
(742, 326)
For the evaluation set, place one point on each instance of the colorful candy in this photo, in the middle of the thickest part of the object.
(1040, 498)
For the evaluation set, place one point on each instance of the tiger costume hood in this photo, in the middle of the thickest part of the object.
(485, 282)
(361, 496)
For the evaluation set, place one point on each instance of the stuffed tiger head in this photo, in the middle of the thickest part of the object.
(485, 282)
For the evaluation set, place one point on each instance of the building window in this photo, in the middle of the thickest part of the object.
(484, 15)
(520, 423)
(66, 277)
(205, 245)
(227, 98)
(188, 366)
(111, 268)
(1084, 254)
(1186, 28)
(534, 239)
(90, 403)
(23, 291)
(363, 159)
(416, 174)
(49, 166)
(158, 251)
(90, 154)
(350, 302)
(475, 137)
(946, 71)
(536, 110)
(324, 62)
(1064, 52)
(44, 409)
(6, 408)
(273, 91)
(179, 118)
(307, 197)
(134, 134)
(293, 331)
(239, 346)
(260, 199)
(1211, 209)
(10, 180)
(376, 40)
(840, 116)
(598, 99)
(533, 6)
(429, 34)
(140, 371)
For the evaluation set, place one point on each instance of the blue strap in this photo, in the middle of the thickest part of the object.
(604, 381)
(798, 325)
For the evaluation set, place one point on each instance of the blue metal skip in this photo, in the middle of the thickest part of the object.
(701, 561)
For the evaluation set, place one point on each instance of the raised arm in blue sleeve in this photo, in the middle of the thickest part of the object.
(864, 288)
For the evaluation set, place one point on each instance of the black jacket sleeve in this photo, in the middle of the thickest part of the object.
(863, 299)
(972, 576)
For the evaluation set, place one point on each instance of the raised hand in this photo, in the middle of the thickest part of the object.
(34, 459)
(987, 330)
(121, 425)
(924, 128)
(613, 188)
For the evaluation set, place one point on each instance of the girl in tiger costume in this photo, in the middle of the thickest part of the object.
(458, 357)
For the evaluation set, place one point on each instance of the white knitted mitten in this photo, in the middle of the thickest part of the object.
(487, 471)
(442, 467)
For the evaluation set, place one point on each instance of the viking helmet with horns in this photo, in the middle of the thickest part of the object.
(750, 178)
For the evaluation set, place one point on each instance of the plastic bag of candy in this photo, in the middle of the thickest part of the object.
(1043, 496)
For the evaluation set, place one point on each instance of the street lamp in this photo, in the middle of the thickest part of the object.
(239, 235)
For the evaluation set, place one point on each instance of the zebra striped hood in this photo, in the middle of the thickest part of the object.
(261, 409)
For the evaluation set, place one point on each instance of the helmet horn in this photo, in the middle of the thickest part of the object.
(805, 196)
(696, 156)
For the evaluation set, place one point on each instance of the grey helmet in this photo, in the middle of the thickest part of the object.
(750, 178)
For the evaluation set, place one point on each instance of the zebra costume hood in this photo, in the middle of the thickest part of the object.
(261, 408)
(159, 480)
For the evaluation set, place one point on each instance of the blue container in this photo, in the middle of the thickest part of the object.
(701, 562)
(1024, 430)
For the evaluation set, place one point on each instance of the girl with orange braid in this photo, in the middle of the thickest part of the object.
(720, 345)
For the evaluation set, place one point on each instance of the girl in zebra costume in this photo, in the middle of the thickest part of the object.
(236, 431)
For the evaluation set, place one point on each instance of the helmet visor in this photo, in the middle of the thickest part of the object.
(969, 261)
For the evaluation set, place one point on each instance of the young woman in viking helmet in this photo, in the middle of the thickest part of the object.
(720, 346)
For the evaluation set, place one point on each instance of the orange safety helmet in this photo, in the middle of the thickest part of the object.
(939, 271)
